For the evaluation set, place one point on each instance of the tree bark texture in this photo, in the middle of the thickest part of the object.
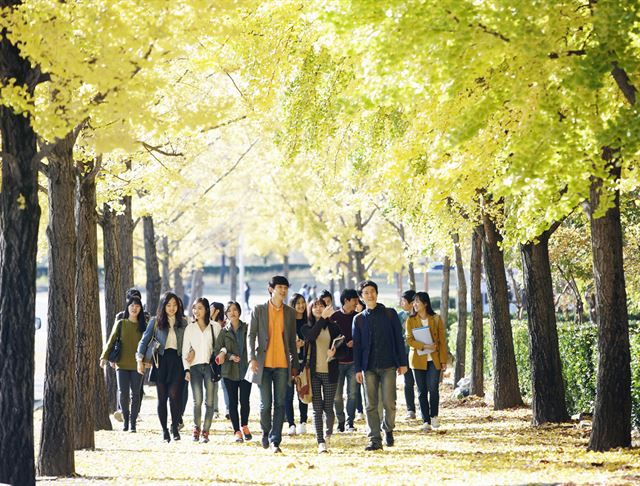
(178, 282)
(477, 329)
(87, 308)
(114, 292)
(223, 267)
(444, 294)
(285, 265)
(19, 217)
(412, 275)
(154, 281)
(57, 443)
(164, 261)
(233, 277)
(125, 234)
(197, 284)
(612, 411)
(548, 398)
(461, 340)
(506, 392)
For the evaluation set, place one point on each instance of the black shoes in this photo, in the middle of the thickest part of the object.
(165, 435)
(340, 426)
(265, 442)
(371, 446)
(132, 429)
(175, 433)
(389, 439)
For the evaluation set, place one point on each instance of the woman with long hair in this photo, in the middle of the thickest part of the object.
(168, 373)
(427, 357)
(319, 334)
(197, 349)
(128, 330)
(299, 304)
(231, 352)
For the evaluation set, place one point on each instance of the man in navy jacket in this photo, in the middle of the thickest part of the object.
(378, 354)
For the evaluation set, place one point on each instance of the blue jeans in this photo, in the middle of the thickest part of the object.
(346, 370)
(373, 380)
(428, 382)
(201, 378)
(273, 392)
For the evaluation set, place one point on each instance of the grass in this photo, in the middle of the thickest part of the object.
(475, 445)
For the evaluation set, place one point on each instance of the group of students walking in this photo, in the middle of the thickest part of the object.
(361, 344)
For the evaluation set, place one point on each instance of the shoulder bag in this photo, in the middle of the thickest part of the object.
(116, 349)
(216, 369)
(151, 354)
(303, 379)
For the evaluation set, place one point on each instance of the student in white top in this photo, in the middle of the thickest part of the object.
(197, 348)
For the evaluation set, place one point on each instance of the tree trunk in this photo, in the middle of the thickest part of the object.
(477, 330)
(178, 282)
(164, 261)
(18, 247)
(548, 398)
(285, 266)
(196, 288)
(425, 277)
(351, 276)
(154, 281)
(233, 277)
(397, 276)
(612, 411)
(412, 275)
(125, 234)
(223, 267)
(113, 289)
(444, 294)
(56, 457)
(461, 340)
(87, 321)
(506, 392)
(516, 293)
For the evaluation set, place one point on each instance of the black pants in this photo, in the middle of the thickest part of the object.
(243, 388)
(409, 393)
(303, 407)
(129, 390)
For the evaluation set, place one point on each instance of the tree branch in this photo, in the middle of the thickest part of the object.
(624, 83)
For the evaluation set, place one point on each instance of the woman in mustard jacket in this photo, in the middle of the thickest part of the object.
(427, 360)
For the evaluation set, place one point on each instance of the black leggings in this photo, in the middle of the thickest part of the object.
(245, 390)
(172, 392)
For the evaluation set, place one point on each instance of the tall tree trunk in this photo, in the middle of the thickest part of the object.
(178, 282)
(548, 400)
(113, 289)
(196, 288)
(154, 281)
(19, 217)
(506, 392)
(397, 276)
(164, 261)
(612, 411)
(412, 275)
(516, 293)
(477, 330)
(461, 340)
(223, 267)
(233, 277)
(125, 234)
(351, 276)
(87, 318)
(425, 277)
(341, 283)
(56, 457)
(444, 294)
(285, 265)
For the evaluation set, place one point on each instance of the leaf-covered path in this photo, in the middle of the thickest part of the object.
(475, 445)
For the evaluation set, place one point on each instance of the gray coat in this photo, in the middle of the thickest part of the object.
(259, 331)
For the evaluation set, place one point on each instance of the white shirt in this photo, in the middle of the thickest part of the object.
(200, 341)
(172, 339)
(425, 323)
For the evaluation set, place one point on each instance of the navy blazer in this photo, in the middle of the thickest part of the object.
(363, 337)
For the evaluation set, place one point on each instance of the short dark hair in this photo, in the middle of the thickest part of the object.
(409, 295)
(133, 292)
(142, 323)
(348, 294)
(326, 293)
(367, 283)
(278, 280)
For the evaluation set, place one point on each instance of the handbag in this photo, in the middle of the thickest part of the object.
(303, 380)
(151, 354)
(216, 369)
(116, 349)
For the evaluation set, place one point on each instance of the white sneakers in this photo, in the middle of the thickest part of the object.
(359, 416)
(322, 448)
(435, 423)
(302, 428)
(410, 416)
(426, 427)
(292, 430)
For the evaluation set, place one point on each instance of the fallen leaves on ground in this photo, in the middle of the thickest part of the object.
(475, 445)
